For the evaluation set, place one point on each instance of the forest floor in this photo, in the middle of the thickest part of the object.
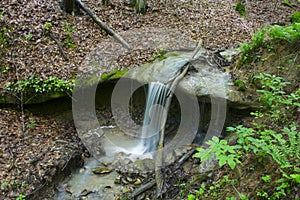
(31, 146)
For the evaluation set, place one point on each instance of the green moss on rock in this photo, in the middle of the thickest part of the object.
(116, 74)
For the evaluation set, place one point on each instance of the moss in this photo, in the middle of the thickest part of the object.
(174, 53)
(116, 74)
(241, 9)
(295, 18)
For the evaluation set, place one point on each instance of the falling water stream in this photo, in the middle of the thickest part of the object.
(153, 117)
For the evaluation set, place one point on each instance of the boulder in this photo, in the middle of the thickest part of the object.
(205, 78)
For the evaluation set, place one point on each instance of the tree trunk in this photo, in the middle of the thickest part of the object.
(140, 5)
(70, 6)
(105, 2)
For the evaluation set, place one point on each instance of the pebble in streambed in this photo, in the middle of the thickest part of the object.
(93, 182)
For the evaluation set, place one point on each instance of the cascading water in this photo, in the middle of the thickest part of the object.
(154, 114)
(153, 118)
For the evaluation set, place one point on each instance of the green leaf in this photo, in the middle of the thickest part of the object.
(231, 163)
(230, 128)
(222, 160)
(191, 197)
(296, 177)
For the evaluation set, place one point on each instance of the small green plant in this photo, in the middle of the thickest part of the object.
(213, 191)
(69, 30)
(4, 38)
(69, 43)
(161, 54)
(274, 97)
(38, 85)
(289, 33)
(5, 69)
(31, 124)
(3, 184)
(21, 197)
(248, 48)
(240, 8)
(224, 153)
(266, 35)
(29, 36)
(48, 26)
(262, 194)
(284, 151)
(240, 84)
(266, 178)
(295, 18)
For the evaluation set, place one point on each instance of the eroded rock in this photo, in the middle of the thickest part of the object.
(101, 170)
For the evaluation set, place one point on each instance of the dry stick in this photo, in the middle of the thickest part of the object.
(151, 183)
(13, 159)
(103, 25)
(184, 158)
(61, 50)
(142, 189)
(21, 100)
(158, 159)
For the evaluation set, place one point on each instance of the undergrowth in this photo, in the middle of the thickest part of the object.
(274, 138)
(266, 36)
(38, 85)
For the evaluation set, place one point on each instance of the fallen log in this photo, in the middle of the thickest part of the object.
(103, 25)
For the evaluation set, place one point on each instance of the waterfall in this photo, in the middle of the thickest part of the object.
(152, 122)
(153, 117)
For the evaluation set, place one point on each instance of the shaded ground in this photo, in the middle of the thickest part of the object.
(27, 156)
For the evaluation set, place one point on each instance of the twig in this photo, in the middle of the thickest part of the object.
(150, 184)
(103, 25)
(37, 189)
(184, 158)
(142, 189)
(236, 191)
(12, 163)
(61, 50)
(28, 100)
(292, 65)
(21, 100)
(66, 164)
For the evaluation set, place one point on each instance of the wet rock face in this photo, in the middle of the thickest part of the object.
(206, 75)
